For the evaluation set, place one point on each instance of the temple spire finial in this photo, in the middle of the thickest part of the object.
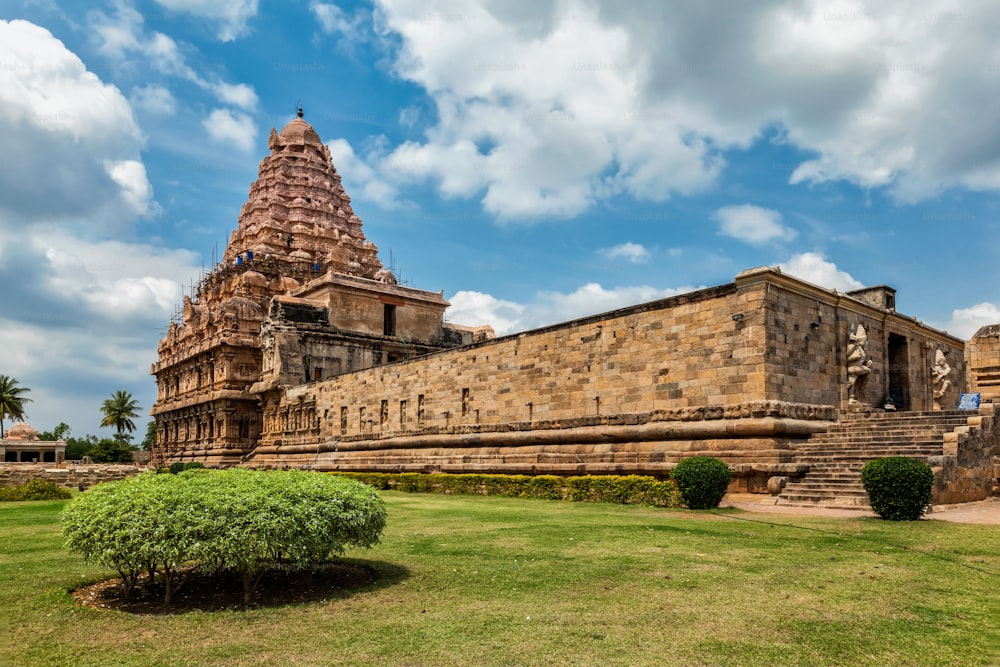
(299, 105)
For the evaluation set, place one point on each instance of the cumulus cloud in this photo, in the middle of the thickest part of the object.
(153, 99)
(813, 267)
(240, 95)
(72, 138)
(753, 224)
(123, 34)
(230, 16)
(545, 109)
(231, 127)
(475, 308)
(80, 313)
(966, 321)
(361, 178)
(333, 19)
(82, 317)
(548, 307)
(631, 252)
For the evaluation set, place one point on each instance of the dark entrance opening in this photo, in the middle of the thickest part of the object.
(389, 320)
(899, 371)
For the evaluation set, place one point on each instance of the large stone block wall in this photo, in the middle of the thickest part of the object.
(69, 475)
(677, 353)
(969, 469)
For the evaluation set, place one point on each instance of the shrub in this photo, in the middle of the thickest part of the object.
(898, 488)
(36, 489)
(631, 489)
(702, 481)
(176, 467)
(242, 521)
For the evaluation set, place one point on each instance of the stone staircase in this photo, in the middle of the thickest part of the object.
(835, 458)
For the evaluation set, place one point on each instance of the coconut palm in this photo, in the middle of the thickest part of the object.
(119, 411)
(11, 400)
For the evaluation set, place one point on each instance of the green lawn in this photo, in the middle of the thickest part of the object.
(495, 581)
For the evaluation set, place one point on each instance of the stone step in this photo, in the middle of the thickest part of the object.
(853, 460)
(828, 481)
(822, 500)
(828, 506)
(915, 433)
(826, 494)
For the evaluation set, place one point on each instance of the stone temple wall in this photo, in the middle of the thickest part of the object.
(808, 330)
(743, 371)
(668, 354)
(631, 391)
(982, 354)
(68, 475)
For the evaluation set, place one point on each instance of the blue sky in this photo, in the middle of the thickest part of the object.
(536, 161)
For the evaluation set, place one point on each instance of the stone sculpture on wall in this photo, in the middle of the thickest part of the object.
(939, 375)
(858, 364)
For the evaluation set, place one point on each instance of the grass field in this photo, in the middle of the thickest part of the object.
(495, 581)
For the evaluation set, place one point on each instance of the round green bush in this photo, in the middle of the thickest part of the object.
(702, 481)
(236, 520)
(898, 488)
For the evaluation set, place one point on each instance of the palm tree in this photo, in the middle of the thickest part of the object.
(119, 411)
(11, 400)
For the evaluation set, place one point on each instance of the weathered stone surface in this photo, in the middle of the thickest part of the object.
(70, 475)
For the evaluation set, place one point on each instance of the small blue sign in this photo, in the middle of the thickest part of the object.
(968, 402)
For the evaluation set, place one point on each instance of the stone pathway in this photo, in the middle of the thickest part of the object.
(982, 512)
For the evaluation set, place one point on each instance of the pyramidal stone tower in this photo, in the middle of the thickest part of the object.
(299, 268)
(298, 212)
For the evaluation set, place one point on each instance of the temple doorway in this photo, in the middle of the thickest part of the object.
(899, 371)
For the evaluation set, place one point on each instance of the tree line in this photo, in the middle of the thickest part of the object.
(120, 412)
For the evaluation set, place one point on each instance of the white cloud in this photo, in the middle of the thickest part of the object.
(231, 16)
(361, 179)
(409, 116)
(231, 127)
(153, 99)
(753, 224)
(966, 321)
(476, 308)
(545, 109)
(136, 192)
(240, 95)
(632, 252)
(71, 140)
(122, 34)
(332, 18)
(814, 268)
(82, 317)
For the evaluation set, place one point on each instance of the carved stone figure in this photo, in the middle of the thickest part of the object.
(858, 364)
(939, 378)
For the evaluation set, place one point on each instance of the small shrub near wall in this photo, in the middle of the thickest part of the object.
(36, 489)
(899, 488)
(628, 490)
(702, 481)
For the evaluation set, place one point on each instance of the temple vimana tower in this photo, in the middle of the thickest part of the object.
(297, 259)
(300, 349)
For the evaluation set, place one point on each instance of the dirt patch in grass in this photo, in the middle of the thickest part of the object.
(215, 592)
